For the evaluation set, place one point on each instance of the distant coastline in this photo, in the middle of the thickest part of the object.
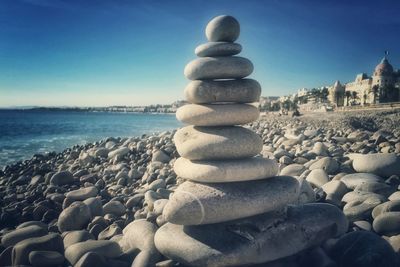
(156, 109)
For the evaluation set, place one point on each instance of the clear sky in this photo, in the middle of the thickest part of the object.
(130, 52)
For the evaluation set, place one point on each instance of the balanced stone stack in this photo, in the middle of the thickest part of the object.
(232, 209)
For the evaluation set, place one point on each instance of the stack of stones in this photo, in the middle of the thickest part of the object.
(232, 209)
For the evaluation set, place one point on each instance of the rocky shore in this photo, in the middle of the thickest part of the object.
(101, 204)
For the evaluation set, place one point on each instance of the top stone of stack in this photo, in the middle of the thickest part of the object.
(223, 29)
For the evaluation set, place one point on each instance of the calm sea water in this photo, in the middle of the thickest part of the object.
(24, 133)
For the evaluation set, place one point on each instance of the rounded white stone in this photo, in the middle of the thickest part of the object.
(205, 203)
(226, 170)
(206, 68)
(210, 143)
(217, 114)
(239, 91)
(223, 28)
(218, 49)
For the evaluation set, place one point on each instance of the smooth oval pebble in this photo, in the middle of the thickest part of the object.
(223, 28)
(382, 164)
(217, 114)
(205, 203)
(230, 142)
(239, 91)
(218, 68)
(387, 223)
(46, 258)
(226, 170)
(107, 248)
(218, 49)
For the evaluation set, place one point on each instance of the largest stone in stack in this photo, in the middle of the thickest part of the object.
(232, 210)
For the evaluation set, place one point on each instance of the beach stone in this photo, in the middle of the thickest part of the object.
(106, 248)
(394, 242)
(46, 258)
(386, 207)
(114, 207)
(206, 68)
(362, 196)
(395, 196)
(217, 114)
(382, 164)
(226, 170)
(334, 190)
(120, 152)
(223, 28)
(376, 187)
(211, 143)
(387, 223)
(75, 217)
(328, 164)
(6, 256)
(363, 225)
(139, 234)
(30, 223)
(62, 178)
(95, 206)
(82, 193)
(13, 237)
(252, 240)
(160, 156)
(307, 194)
(317, 178)
(218, 49)
(363, 249)
(21, 251)
(360, 210)
(195, 203)
(293, 170)
(238, 91)
(355, 179)
(74, 237)
(91, 259)
(158, 205)
(109, 232)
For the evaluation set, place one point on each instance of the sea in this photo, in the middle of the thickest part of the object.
(24, 133)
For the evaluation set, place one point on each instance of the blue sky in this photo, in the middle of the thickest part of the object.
(126, 52)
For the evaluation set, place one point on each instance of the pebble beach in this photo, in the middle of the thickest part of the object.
(100, 204)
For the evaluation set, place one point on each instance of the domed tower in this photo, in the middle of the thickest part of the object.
(383, 74)
(336, 94)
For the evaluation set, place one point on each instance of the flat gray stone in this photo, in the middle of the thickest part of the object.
(106, 248)
(355, 179)
(317, 178)
(218, 68)
(217, 114)
(82, 193)
(223, 28)
(363, 248)
(387, 223)
(238, 91)
(210, 143)
(218, 49)
(13, 237)
(382, 164)
(75, 217)
(252, 240)
(74, 237)
(21, 251)
(114, 207)
(226, 170)
(46, 258)
(195, 203)
(388, 206)
(62, 178)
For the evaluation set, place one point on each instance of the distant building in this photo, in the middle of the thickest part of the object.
(382, 86)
